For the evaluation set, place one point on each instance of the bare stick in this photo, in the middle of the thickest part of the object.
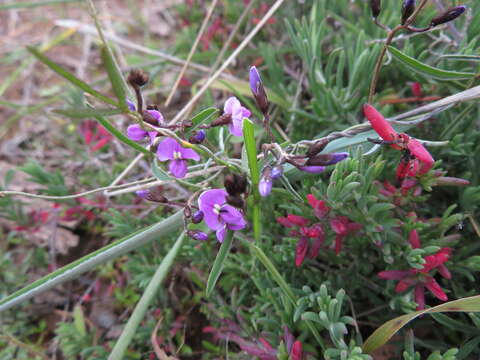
(192, 51)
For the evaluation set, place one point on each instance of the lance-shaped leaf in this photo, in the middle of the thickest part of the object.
(109, 252)
(219, 262)
(115, 75)
(390, 328)
(70, 77)
(82, 113)
(427, 70)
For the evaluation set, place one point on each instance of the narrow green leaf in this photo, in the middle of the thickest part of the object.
(390, 328)
(202, 117)
(219, 263)
(79, 320)
(427, 70)
(158, 172)
(120, 136)
(100, 256)
(31, 4)
(460, 57)
(70, 77)
(115, 75)
(148, 296)
(87, 112)
(251, 150)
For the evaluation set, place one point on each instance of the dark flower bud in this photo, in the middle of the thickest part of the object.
(197, 235)
(235, 184)
(222, 120)
(150, 118)
(449, 15)
(154, 196)
(137, 77)
(258, 91)
(326, 159)
(408, 7)
(197, 137)
(197, 217)
(317, 147)
(152, 107)
(277, 172)
(376, 7)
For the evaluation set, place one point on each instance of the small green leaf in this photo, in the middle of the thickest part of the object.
(460, 57)
(87, 112)
(219, 263)
(120, 136)
(158, 172)
(79, 320)
(427, 70)
(390, 328)
(115, 75)
(70, 77)
(203, 116)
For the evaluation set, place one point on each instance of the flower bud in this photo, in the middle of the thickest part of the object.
(449, 15)
(137, 77)
(197, 235)
(197, 217)
(317, 147)
(408, 7)
(376, 7)
(451, 181)
(197, 137)
(277, 172)
(154, 196)
(258, 91)
(265, 185)
(312, 169)
(327, 159)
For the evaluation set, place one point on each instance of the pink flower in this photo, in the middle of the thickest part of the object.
(342, 227)
(170, 150)
(238, 112)
(136, 133)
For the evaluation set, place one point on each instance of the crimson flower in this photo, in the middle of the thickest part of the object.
(342, 227)
(416, 160)
(421, 278)
(95, 135)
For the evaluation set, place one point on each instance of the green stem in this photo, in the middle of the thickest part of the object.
(148, 296)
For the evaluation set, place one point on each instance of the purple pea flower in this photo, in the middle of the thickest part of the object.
(277, 172)
(136, 133)
(197, 235)
(197, 217)
(266, 182)
(218, 215)
(258, 91)
(238, 112)
(170, 150)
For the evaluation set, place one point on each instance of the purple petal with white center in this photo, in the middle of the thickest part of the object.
(236, 127)
(245, 112)
(221, 233)
(167, 148)
(207, 202)
(135, 132)
(178, 168)
(233, 217)
(189, 154)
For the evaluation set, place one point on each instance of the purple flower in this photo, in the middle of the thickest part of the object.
(258, 91)
(449, 15)
(142, 193)
(312, 169)
(218, 215)
(197, 137)
(238, 112)
(170, 149)
(197, 217)
(131, 105)
(136, 133)
(265, 186)
(197, 235)
(277, 172)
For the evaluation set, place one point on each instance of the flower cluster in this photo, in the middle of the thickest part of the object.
(312, 237)
(416, 160)
(421, 278)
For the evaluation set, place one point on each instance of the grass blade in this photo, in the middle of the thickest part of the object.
(100, 256)
(251, 149)
(427, 70)
(87, 112)
(390, 328)
(115, 76)
(70, 77)
(219, 262)
(148, 296)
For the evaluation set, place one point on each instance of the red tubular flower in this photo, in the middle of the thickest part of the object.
(297, 352)
(301, 250)
(319, 207)
(342, 226)
(414, 239)
(417, 159)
